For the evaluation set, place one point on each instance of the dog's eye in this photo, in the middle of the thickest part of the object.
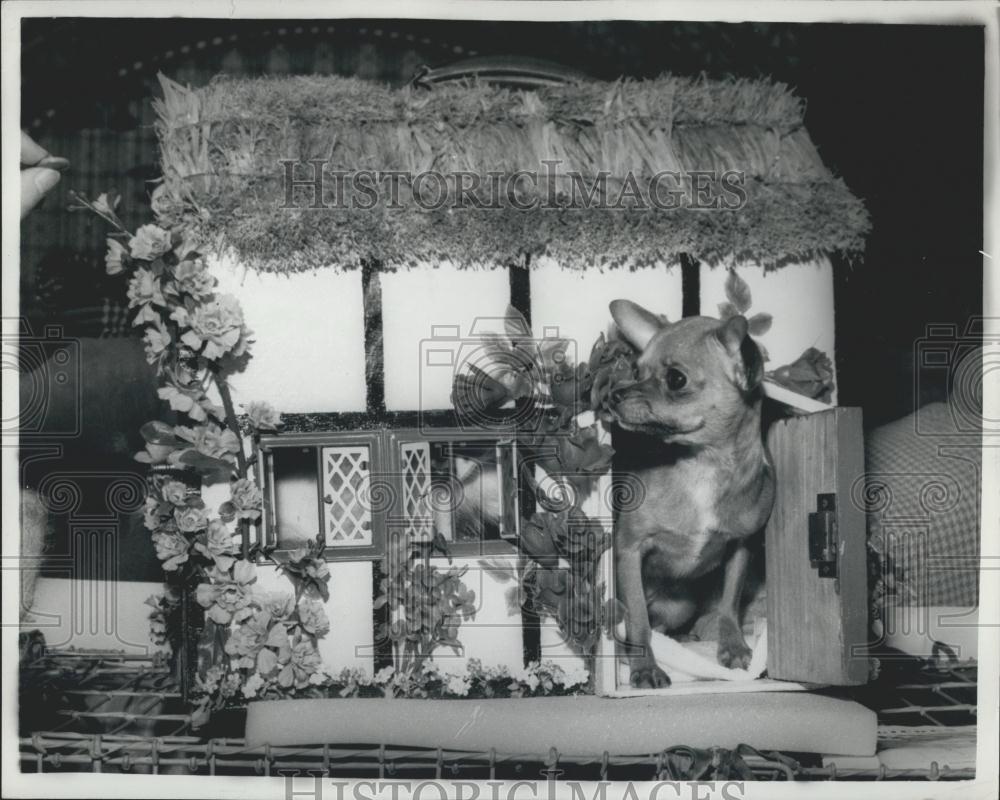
(676, 379)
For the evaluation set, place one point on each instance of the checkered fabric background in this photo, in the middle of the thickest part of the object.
(83, 308)
(922, 494)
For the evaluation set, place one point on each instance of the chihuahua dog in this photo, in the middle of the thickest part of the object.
(709, 480)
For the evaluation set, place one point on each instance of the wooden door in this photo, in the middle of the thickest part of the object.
(817, 598)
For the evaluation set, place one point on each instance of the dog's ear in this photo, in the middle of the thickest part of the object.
(637, 324)
(735, 337)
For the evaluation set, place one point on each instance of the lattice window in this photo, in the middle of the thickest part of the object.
(415, 460)
(347, 516)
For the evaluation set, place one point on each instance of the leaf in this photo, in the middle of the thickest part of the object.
(759, 324)
(499, 570)
(277, 636)
(737, 291)
(156, 432)
(214, 469)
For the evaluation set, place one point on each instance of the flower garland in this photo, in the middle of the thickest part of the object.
(429, 680)
(195, 338)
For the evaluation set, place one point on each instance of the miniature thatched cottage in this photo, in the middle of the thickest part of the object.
(366, 293)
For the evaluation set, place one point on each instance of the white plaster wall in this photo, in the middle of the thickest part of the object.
(425, 301)
(82, 613)
(308, 351)
(799, 297)
(573, 304)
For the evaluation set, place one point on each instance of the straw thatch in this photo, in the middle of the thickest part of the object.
(223, 144)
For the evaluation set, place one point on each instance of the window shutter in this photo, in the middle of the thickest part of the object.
(415, 472)
(347, 513)
(815, 551)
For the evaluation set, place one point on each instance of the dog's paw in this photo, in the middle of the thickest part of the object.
(733, 650)
(648, 676)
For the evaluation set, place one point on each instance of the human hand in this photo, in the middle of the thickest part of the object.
(40, 172)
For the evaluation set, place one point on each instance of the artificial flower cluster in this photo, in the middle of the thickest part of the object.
(195, 337)
(427, 680)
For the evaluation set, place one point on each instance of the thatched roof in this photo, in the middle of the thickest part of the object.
(222, 147)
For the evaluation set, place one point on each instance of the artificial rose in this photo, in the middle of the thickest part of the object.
(811, 374)
(312, 617)
(263, 416)
(171, 548)
(246, 500)
(211, 440)
(303, 661)
(192, 277)
(246, 640)
(278, 604)
(218, 325)
(218, 544)
(175, 492)
(150, 242)
(190, 519)
(114, 259)
(230, 597)
(458, 685)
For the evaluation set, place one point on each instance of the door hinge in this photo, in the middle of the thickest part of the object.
(824, 536)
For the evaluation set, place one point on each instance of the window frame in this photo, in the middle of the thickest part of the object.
(506, 545)
(385, 467)
(269, 534)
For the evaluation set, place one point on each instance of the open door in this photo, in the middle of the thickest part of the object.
(817, 599)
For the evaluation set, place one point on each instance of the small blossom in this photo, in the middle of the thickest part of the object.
(253, 685)
(576, 677)
(156, 340)
(190, 519)
(107, 203)
(192, 277)
(144, 290)
(150, 242)
(263, 416)
(115, 257)
(458, 685)
(171, 548)
(318, 678)
(384, 675)
(150, 513)
(175, 492)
